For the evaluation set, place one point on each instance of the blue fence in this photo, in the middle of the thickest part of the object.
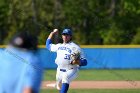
(111, 58)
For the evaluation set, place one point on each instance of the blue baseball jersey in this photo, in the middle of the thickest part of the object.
(19, 69)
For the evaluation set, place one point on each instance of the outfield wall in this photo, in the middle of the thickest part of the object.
(101, 57)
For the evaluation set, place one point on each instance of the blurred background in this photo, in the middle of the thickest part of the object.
(94, 22)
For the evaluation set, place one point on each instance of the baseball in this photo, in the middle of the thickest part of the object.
(55, 30)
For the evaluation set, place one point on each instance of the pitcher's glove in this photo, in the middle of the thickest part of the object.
(75, 58)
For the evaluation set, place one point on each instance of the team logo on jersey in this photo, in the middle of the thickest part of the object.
(74, 49)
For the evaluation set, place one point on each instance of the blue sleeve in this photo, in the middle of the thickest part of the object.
(48, 42)
(83, 62)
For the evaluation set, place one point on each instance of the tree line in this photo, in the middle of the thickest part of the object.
(94, 22)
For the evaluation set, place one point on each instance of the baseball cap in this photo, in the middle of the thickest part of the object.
(24, 40)
(67, 31)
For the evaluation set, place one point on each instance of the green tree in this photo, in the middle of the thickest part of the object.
(93, 21)
(136, 39)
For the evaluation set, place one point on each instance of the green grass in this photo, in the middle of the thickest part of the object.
(95, 91)
(100, 74)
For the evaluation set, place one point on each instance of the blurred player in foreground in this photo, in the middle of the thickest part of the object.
(69, 58)
(20, 69)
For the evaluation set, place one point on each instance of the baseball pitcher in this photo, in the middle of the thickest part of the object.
(69, 58)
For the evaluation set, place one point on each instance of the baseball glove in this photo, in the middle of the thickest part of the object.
(75, 58)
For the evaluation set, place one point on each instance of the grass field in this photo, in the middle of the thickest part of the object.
(99, 75)
(95, 91)
(109, 75)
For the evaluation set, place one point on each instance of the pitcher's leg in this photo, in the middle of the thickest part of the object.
(58, 79)
(64, 88)
(67, 78)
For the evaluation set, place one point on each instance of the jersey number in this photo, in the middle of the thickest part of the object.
(67, 56)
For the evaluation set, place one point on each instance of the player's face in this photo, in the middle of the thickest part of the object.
(66, 38)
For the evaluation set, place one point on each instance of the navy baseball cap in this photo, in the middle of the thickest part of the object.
(67, 31)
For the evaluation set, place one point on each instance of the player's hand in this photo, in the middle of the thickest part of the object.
(55, 31)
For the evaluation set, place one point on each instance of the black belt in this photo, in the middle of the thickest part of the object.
(63, 70)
